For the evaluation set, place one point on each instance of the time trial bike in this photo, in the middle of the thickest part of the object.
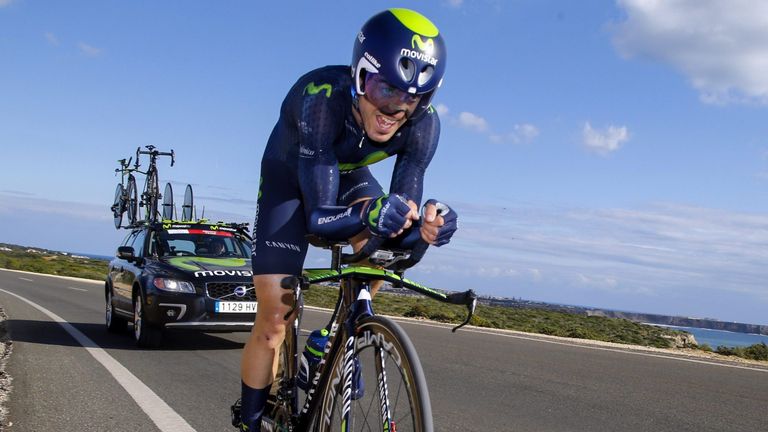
(369, 377)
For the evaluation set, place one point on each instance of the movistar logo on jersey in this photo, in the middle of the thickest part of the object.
(426, 48)
(313, 89)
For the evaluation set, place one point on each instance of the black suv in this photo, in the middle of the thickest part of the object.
(192, 276)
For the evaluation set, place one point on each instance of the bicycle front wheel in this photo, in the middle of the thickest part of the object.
(133, 201)
(118, 206)
(392, 391)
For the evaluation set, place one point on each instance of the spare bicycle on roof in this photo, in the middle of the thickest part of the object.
(128, 202)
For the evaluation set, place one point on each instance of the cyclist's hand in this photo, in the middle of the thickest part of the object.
(389, 215)
(438, 224)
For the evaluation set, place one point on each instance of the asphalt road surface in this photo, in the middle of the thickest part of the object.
(70, 375)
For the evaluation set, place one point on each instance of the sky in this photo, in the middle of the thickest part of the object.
(599, 153)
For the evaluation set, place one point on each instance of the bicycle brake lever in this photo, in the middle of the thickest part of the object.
(471, 297)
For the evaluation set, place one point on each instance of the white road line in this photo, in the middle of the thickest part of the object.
(166, 419)
(77, 289)
(25, 279)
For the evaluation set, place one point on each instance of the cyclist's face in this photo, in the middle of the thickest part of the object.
(384, 108)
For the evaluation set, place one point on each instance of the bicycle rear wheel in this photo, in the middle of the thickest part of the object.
(118, 207)
(133, 201)
(395, 396)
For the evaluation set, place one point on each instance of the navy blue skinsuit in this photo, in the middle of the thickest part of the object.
(315, 165)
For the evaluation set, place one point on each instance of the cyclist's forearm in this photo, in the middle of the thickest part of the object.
(336, 222)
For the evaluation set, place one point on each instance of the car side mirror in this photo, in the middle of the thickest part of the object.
(126, 253)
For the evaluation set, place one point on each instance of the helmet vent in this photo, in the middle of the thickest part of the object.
(426, 75)
(407, 69)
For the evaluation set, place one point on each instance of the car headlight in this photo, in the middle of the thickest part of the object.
(174, 285)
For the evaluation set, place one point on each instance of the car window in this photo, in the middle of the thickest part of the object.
(138, 243)
(129, 239)
(199, 242)
(152, 245)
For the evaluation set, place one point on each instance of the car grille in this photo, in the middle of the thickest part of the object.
(226, 291)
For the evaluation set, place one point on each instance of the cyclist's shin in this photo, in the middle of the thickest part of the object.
(253, 403)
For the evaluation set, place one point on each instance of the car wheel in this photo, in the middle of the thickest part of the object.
(115, 324)
(144, 333)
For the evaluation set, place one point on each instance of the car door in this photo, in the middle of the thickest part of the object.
(120, 271)
(133, 269)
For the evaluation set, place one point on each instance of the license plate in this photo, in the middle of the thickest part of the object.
(235, 307)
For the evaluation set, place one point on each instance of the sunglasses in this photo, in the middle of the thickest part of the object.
(384, 95)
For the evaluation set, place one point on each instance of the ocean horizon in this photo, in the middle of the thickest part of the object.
(716, 338)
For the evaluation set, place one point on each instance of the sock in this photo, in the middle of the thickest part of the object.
(253, 403)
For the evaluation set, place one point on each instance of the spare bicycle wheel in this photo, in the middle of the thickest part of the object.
(133, 202)
(118, 206)
(168, 202)
(186, 208)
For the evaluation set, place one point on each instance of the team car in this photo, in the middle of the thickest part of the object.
(181, 275)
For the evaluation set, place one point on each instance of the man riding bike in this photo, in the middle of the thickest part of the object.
(334, 122)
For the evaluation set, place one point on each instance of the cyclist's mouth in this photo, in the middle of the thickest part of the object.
(385, 123)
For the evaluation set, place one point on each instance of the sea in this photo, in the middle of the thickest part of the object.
(716, 338)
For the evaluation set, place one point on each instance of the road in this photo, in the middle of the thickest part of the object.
(479, 380)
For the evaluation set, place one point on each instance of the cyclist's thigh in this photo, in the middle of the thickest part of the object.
(357, 184)
(279, 243)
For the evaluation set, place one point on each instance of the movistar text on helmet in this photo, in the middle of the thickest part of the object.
(418, 55)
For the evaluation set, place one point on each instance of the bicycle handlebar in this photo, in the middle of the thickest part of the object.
(154, 154)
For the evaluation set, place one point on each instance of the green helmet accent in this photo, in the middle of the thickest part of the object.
(415, 22)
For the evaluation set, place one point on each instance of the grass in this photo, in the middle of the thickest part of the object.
(527, 320)
(54, 263)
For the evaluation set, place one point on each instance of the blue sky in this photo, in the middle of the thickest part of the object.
(602, 153)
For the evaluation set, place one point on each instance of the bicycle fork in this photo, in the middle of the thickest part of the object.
(362, 308)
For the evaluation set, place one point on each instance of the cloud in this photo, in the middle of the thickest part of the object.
(455, 3)
(720, 46)
(472, 121)
(622, 258)
(521, 133)
(51, 38)
(604, 141)
(89, 50)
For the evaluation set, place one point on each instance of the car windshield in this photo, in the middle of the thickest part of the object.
(203, 243)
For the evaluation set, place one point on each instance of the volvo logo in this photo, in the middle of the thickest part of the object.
(241, 291)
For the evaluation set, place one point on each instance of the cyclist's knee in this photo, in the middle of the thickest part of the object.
(274, 304)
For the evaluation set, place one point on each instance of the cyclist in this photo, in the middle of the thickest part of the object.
(334, 122)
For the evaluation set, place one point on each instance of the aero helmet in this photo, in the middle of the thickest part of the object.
(406, 49)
